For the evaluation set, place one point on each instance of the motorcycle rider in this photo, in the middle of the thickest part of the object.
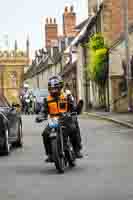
(58, 102)
(23, 95)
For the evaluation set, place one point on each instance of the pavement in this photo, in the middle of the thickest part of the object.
(124, 119)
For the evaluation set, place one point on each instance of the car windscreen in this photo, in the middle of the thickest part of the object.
(40, 93)
(43, 93)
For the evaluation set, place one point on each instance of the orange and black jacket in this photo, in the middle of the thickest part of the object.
(55, 105)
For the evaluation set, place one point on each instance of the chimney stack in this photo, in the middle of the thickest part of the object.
(69, 22)
(51, 32)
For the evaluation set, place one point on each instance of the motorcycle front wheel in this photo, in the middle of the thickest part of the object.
(57, 157)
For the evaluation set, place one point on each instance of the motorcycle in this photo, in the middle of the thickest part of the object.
(28, 106)
(62, 150)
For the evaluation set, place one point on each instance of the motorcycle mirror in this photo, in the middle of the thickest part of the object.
(40, 119)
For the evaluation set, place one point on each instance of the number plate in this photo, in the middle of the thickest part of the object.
(53, 134)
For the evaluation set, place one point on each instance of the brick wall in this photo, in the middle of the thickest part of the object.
(130, 6)
(113, 18)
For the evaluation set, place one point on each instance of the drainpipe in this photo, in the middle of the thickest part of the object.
(127, 53)
(108, 102)
(86, 82)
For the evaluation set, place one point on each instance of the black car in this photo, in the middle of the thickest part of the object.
(10, 126)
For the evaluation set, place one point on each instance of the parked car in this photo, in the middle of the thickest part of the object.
(10, 126)
(39, 95)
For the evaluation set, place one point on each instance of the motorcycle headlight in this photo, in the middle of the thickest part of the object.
(53, 133)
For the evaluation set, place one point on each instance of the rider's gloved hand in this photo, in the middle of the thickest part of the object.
(80, 106)
(38, 120)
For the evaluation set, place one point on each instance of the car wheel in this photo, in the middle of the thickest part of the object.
(6, 147)
(19, 142)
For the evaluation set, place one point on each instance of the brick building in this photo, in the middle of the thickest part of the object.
(112, 27)
(112, 16)
(55, 45)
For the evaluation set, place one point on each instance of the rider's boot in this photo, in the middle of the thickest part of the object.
(78, 154)
(77, 151)
(49, 158)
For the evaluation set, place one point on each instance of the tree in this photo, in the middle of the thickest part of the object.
(97, 66)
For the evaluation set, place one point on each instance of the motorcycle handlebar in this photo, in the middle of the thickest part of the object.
(68, 114)
(40, 119)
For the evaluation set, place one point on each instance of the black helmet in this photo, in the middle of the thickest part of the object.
(55, 81)
(55, 85)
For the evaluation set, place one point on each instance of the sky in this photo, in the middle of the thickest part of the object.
(22, 18)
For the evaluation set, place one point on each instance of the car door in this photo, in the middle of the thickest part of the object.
(11, 114)
(13, 122)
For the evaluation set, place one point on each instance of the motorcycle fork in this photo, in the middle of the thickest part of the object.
(61, 141)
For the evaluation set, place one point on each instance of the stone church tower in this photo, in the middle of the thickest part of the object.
(12, 66)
